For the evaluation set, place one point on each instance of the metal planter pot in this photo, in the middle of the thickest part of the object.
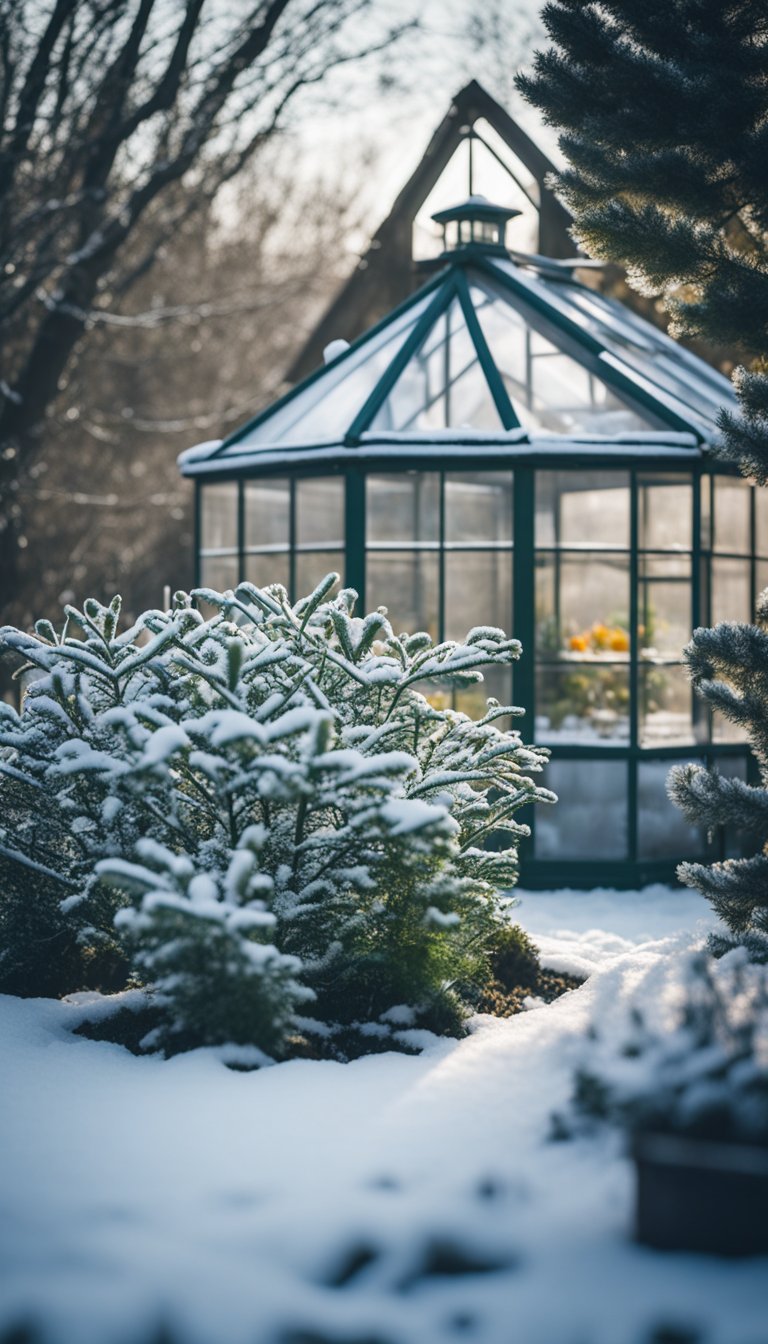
(696, 1195)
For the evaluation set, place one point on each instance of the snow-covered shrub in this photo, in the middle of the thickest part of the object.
(269, 778)
(689, 1057)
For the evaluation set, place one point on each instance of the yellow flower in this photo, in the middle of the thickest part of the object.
(579, 643)
(619, 640)
(600, 635)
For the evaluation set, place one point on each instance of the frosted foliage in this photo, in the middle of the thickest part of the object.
(689, 1054)
(263, 815)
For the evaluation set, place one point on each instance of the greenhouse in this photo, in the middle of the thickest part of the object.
(510, 447)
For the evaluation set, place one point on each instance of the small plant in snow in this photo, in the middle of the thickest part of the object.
(262, 815)
(691, 1056)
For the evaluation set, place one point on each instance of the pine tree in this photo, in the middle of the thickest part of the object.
(663, 113)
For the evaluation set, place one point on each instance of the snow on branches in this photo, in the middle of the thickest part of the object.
(262, 812)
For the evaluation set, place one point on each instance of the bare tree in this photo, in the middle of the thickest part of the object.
(115, 114)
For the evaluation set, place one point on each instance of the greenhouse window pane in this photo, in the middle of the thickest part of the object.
(478, 507)
(551, 392)
(590, 820)
(406, 583)
(582, 703)
(267, 513)
(664, 615)
(705, 537)
(219, 572)
(478, 591)
(666, 704)
(589, 508)
(312, 566)
(737, 844)
(733, 515)
(731, 598)
(326, 408)
(443, 386)
(761, 521)
(218, 517)
(269, 567)
(403, 508)
(662, 831)
(582, 606)
(320, 511)
(497, 682)
(665, 513)
(725, 731)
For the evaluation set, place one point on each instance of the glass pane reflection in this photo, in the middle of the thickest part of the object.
(665, 513)
(731, 591)
(320, 511)
(478, 591)
(662, 831)
(733, 515)
(267, 510)
(585, 508)
(582, 606)
(218, 516)
(478, 507)
(666, 702)
(406, 583)
(590, 819)
(404, 508)
(582, 703)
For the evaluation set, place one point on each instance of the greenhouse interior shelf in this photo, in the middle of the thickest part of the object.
(510, 447)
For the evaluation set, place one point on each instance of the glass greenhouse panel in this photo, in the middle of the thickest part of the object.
(267, 513)
(731, 592)
(582, 703)
(665, 615)
(736, 844)
(478, 508)
(590, 820)
(269, 567)
(496, 683)
(407, 584)
(733, 515)
(326, 407)
(403, 508)
(582, 509)
(662, 831)
(320, 511)
(582, 606)
(761, 521)
(552, 393)
(666, 705)
(442, 386)
(478, 591)
(219, 572)
(218, 516)
(665, 513)
(312, 566)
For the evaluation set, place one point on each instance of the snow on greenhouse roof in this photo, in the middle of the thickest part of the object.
(504, 356)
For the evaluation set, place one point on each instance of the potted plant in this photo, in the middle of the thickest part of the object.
(689, 1083)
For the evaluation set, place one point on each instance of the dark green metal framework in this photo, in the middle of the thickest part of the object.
(675, 444)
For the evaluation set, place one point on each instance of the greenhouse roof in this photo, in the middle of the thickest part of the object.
(495, 355)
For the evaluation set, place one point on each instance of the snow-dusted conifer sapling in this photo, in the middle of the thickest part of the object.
(263, 814)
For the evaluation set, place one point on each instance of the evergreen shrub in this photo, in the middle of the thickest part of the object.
(260, 816)
(687, 1057)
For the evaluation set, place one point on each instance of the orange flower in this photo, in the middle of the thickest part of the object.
(579, 643)
(619, 640)
(600, 635)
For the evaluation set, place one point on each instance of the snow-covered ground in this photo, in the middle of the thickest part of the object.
(317, 1203)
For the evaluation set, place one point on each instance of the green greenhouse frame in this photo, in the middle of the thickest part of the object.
(511, 447)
